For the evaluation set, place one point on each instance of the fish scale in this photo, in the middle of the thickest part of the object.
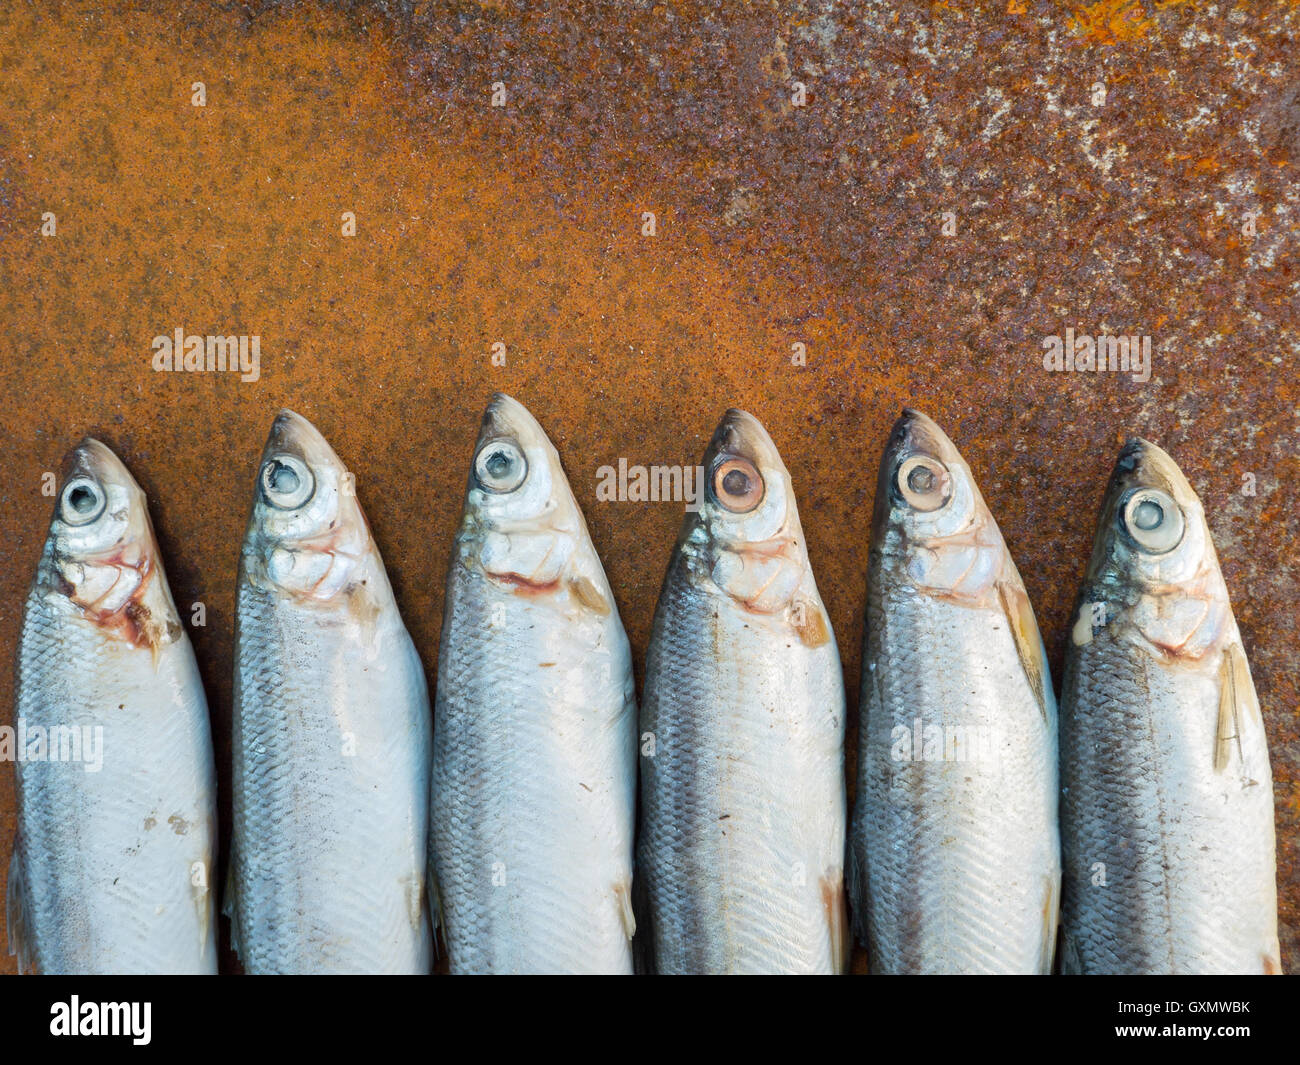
(957, 867)
(317, 830)
(534, 739)
(954, 840)
(1167, 807)
(1161, 882)
(709, 836)
(111, 871)
(506, 816)
(111, 805)
(742, 830)
(331, 739)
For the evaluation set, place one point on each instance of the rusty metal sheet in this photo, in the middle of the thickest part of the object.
(917, 193)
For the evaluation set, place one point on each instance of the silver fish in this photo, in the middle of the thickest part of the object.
(534, 778)
(741, 851)
(955, 851)
(331, 733)
(1167, 797)
(116, 788)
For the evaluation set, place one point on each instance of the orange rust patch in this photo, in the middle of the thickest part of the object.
(1111, 22)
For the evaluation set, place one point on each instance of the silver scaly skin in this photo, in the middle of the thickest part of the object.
(331, 733)
(1167, 797)
(955, 852)
(740, 859)
(534, 777)
(111, 871)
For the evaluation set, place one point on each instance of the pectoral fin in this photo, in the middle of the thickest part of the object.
(837, 919)
(1051, 913)
(230, 904)
(1029, 643)
(587, 593)
(435, 901)
(16, 914)
(1236, 696)
(623, 893)
(201, 892)
(810, 623)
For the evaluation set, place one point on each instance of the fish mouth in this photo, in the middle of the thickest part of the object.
(304, 493)
(1142, 464)
(292, 434)
(506, 418)
(914, 434)
(93, 479)
(740, 435)
(96, 460)
(917, 434)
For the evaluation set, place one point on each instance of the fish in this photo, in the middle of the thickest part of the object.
(1167, 795)
(741, 849)
(534, 763)
(331, 741)
(955, 851)
(112, 867)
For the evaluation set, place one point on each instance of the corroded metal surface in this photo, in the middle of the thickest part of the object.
(954, 184)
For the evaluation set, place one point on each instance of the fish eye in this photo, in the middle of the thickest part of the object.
(83, 501)
(737, 484)
(287, 482)
(500, 467)
(1152, 520)
(924, 483)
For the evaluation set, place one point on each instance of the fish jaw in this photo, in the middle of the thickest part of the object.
(522, 529)
(1173, 602)
(308, 538)
(100, 563)
(751, 550)
(944, 542)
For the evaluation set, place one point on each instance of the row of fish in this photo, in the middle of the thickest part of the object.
(512, 822)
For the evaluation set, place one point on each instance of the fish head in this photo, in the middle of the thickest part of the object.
(307, 535)
(101, 555)
(522, 527)
(745, 538)
(1153, 564)
(931, 528)
(933, 534)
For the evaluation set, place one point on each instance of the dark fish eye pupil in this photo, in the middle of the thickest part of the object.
(283, 479)
(735, 483)
(498, 464)
(81, 499)
(921, 479)
(1148, 515)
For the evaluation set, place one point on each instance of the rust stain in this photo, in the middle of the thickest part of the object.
(1111, 22)
(776, 224)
